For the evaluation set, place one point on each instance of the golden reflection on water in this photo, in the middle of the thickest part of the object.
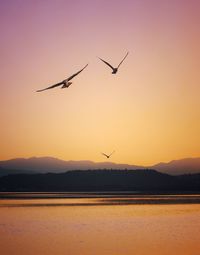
(87, 230)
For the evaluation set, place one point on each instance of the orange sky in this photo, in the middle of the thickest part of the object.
(148, 112)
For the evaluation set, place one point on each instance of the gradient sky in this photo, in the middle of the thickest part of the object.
(149, 112)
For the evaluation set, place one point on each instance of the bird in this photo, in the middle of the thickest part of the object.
(114, 69)
(107, 156)
(65, 83)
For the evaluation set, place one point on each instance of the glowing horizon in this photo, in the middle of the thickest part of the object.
(148, 112)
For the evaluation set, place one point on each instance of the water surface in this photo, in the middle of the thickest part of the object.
(110, 224)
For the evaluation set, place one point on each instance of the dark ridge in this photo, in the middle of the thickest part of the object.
(101, 180)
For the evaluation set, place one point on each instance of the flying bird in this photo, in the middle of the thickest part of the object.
(114, 69)
(107, 156)
(65, 83)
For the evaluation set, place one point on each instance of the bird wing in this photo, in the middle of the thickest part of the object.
(51, 87)
(123, 59)
(104, 154)
(107, 63)
(72, 76)
(111, 153)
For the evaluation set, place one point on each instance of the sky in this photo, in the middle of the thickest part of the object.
(148, 112)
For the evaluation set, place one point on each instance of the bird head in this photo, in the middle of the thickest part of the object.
(114, 70)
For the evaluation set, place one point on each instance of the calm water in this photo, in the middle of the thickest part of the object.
(94, 224)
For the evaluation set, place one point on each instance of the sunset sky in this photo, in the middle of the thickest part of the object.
(148, 112)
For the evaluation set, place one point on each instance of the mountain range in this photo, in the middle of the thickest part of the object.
(54, 165)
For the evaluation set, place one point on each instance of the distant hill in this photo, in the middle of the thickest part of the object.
(4, 172)
(54, 165)
(101, 180)
(181, 166)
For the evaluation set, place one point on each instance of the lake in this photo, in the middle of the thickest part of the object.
(99, 224)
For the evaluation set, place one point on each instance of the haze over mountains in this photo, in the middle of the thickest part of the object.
(54, 165)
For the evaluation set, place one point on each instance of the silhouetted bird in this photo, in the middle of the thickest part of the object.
(107, 156)
(65, 83)
(115, 69)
